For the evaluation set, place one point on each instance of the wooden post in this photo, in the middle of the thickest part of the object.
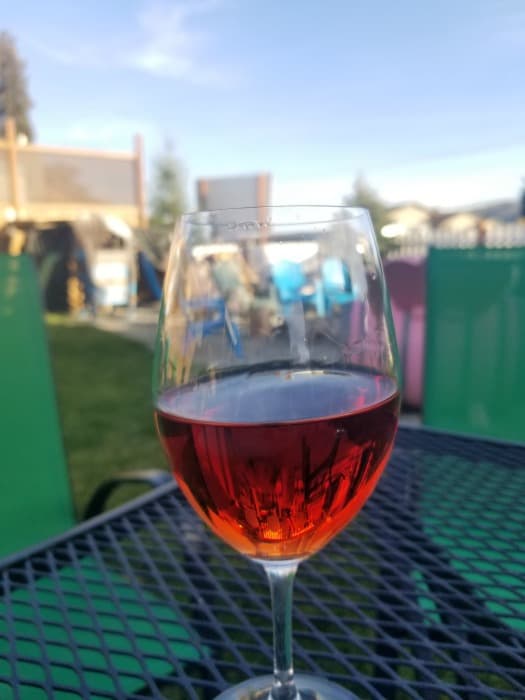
(203, 188)
(139, 181)
(142, 219)
(263, 197)
(263, 190)
(10, 137)
(481, 231)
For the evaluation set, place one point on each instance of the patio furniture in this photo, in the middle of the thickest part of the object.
(475, 348)
(397, 606)
(36, 501)
(216, 318)
(406, 281)
(336, 283)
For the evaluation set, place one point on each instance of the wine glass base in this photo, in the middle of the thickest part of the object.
(309, 688)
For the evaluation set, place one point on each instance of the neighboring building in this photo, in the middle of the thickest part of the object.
(458, 222)
(42, 184)
(504, 211)
(231, 192)
(74, 210)
(410, 215)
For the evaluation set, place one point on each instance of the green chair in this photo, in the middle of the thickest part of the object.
(475, 342)
(475, 383)
(36, 496)
(36, 501)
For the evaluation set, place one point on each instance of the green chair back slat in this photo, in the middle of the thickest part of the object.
(475, 342)
(34, 482)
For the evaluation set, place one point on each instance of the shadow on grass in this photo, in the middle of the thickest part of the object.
(103, 386)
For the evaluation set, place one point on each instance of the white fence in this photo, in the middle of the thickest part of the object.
(417, 241)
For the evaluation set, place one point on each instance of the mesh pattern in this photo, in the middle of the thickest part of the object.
(55, 177)
(422, 597)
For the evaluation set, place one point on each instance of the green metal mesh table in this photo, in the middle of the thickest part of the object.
(423, 596)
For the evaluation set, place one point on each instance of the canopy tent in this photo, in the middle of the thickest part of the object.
(91, 262)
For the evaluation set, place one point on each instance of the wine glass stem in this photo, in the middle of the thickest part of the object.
(281, 577)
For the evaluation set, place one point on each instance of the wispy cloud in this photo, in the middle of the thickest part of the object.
(78, 55)
(166, 42)
(173, 47)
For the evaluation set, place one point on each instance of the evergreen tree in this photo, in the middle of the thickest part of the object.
(14, 96)
(365, 196)
(167, 201)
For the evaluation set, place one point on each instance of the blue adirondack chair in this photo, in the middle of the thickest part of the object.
(336, 282)
(218, 319)
(290, 282)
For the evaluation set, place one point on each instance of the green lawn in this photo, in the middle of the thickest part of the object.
(103, 385)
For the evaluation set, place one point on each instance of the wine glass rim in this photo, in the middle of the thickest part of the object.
(346, 213)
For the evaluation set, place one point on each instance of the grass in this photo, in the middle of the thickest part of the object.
(103, 385)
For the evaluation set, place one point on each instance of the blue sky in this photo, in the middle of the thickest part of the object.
(426, 99)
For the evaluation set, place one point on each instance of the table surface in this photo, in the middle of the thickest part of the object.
(423, 596)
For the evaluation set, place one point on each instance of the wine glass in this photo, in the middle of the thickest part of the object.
(276, 391)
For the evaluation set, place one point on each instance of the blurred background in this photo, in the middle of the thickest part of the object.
(116, 117)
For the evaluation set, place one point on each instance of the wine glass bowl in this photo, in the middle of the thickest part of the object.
(276, 390)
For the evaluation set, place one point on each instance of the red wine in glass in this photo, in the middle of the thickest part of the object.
(277, 462)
